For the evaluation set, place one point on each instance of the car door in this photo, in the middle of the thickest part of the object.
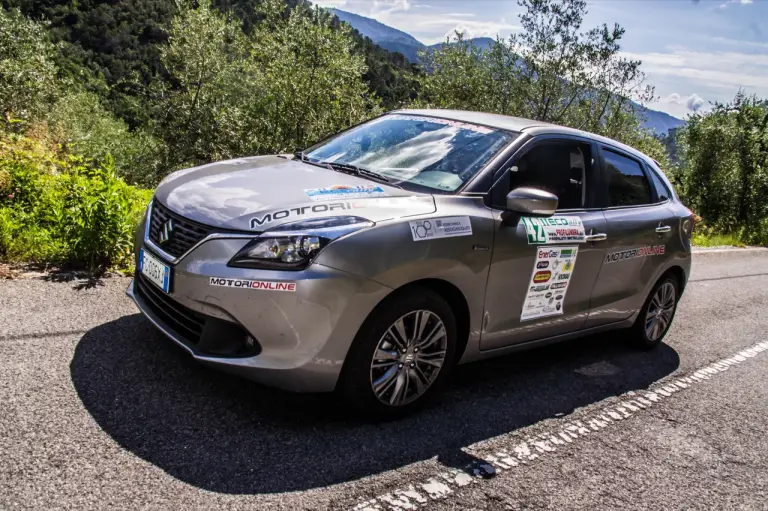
(638, 229)
(539, 285)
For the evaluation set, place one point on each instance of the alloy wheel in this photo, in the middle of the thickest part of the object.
(408, 358)
(660, 311)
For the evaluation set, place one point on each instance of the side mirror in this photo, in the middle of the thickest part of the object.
(531, 202)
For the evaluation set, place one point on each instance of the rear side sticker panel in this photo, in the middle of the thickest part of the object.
(554, 229)
(547, 287)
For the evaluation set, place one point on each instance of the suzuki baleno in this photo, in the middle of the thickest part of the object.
(375, 261)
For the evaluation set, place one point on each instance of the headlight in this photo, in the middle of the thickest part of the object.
(294, 246)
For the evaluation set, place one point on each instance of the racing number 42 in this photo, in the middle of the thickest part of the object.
(536, 233)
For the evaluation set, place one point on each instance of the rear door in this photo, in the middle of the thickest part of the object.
(638, 228)
(542, 272)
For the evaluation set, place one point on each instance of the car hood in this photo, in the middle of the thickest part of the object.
(254, 194)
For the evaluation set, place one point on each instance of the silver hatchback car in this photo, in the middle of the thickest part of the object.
(375, 261)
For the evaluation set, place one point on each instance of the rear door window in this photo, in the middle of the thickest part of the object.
(627, 183)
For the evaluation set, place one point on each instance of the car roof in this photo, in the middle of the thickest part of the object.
(519, 124)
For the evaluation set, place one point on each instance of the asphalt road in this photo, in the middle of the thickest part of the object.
(97, 410)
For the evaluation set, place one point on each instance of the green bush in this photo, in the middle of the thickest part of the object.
(80, 122)
(62, 208)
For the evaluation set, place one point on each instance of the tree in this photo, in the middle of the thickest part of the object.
(27, 70)
(723, 170)
(550, 71)
(312, 76)
(293, 80)
(199, 110)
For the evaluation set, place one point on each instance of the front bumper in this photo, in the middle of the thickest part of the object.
(302, 337)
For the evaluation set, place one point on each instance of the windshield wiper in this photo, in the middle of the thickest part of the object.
(358, 171)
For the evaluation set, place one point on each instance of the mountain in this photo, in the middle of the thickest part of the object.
(398, 41)
(385, 36)
(660, 122)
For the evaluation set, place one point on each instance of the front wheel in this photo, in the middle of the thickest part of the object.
(656, 315)
(402, 354)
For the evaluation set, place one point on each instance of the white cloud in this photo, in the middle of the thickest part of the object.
(328, 4)
(724, 70)
(741, 2)
(694, 102)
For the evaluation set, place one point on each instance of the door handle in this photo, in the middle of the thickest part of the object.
(601, 236)
(663, 228)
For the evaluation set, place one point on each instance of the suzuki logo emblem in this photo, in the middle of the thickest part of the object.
(165, 231)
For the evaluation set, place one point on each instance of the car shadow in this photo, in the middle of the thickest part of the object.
(229, 435)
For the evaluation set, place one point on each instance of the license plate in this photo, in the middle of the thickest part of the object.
(155, 271)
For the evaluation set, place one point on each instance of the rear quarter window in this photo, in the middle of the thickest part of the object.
(662, 192)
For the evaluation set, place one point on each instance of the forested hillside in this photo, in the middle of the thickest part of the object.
(99, 101)
(118, 44)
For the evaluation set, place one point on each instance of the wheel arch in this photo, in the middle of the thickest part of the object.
(678, 273)
(451, 294)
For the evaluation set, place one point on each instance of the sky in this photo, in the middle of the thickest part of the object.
(693, 52)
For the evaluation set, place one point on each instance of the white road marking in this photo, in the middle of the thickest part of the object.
(518, 454)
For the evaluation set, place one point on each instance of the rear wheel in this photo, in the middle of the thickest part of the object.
(656, 316)
(402, 354)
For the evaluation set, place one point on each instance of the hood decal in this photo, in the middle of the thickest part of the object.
(337, 192)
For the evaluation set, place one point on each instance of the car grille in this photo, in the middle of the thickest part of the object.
(184, 235)
(186, 322)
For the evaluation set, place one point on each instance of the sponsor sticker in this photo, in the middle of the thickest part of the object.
(447, 227)
(253, 284)
(634, 253)
(554, 229)
(540, 301)
(542, 264)
(344, 192)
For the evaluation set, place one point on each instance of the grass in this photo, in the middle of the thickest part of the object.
(716, 240)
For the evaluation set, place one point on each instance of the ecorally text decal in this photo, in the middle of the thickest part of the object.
(253, 284)
(344, 192)
(540, 301)
(555, 229)
(635, 253)
(441, 228)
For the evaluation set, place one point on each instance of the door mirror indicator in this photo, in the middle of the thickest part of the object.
(531, 202)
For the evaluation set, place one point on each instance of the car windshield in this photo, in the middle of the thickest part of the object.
(438, 154)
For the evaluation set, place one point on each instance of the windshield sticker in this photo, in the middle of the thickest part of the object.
(446, 122)
(441, 228)
(253, 284)
(555, 229)
(634, 253)
(547, 288)
(344, 192)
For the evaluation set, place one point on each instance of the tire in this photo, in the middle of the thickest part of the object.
(394, 372)
(647, 334)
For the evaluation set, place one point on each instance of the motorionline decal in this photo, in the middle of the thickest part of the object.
(337, 207)
(634, 253)
(253, 284)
